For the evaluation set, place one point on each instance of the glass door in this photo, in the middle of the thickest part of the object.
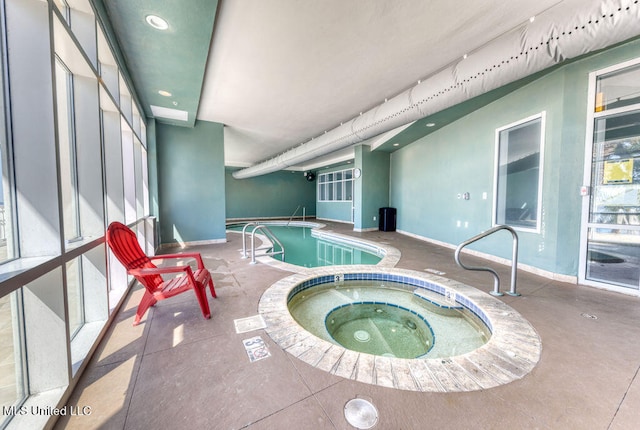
(611, 243)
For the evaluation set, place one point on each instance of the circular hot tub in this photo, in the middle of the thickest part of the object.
(380, 329)
(399, 328)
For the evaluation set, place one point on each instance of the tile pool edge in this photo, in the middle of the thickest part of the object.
(510, 354)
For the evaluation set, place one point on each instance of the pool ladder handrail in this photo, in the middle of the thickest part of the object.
(295, 212)
(496, 279)
(244, 240)
(268, 233)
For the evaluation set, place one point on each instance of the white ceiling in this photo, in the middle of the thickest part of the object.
(281, 72)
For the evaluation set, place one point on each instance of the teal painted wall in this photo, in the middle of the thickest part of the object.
(191, 182)
(152, 164)
(335, 211)
(276, 195)
(372, 188)
(428, 175)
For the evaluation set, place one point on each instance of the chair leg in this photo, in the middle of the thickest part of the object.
(213, 291)
(201, 295)
(147, 301)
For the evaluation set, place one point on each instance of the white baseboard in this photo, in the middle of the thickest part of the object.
(192, 243)
(504, 261)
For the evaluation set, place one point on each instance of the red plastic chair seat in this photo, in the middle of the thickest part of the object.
(124, 244)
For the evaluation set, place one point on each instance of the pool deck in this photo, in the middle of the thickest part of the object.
(178, 370)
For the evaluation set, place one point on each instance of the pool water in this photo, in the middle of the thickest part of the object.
(453, 330)
(380, 329)
(302, 249)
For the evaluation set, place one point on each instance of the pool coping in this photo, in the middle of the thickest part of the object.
(390, 255)
(512, 352)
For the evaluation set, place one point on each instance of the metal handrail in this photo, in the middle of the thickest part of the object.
(293, 214)
(271, 236)
(496, 279)
(244, 241)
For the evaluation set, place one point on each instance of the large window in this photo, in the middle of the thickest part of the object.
(67, 148)
(12, 388)
(64, 9)
(617, 89)
(519, 149)
(75, 297)
(7, 227)
(7, 243)
(62, 166)
(13, 379)
(336, 186)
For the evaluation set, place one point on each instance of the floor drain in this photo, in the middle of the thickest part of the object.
(360, 413)
(362, 336)
(590, 316)
(244, 325)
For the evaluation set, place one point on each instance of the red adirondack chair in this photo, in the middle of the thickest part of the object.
(124, 244)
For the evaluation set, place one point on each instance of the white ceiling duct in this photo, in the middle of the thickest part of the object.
(567, 30)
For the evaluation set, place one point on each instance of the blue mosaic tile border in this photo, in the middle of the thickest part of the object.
(434, 303)
(472, 307)
(389, 277)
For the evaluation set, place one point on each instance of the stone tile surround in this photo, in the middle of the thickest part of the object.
(512, 351)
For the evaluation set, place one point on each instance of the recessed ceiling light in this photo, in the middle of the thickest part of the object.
(533, 18)
(431, 124)
(396, 144)
(156, 22)
(164, 93)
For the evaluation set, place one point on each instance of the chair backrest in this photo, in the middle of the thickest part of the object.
(124, 244)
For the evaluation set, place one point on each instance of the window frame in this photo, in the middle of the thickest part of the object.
(73, 154)
(6, 158)
(541, 118)
(64, 9)
(330, 187)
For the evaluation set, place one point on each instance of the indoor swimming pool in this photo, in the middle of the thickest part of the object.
(304, 246)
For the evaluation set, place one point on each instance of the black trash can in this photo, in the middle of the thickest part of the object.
(387, 219)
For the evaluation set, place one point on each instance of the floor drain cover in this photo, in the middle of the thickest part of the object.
(360, 413)
(244, 325)
(362, 336)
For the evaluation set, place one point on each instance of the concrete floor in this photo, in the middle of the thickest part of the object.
(177, 370)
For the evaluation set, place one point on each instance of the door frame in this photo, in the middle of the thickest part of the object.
(586, 190)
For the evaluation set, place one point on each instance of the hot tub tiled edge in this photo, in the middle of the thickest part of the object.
(510, 354)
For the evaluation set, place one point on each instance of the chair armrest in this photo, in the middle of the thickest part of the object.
(160, 270)
(195, 255)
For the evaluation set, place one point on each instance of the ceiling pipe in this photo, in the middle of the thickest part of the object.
(567, 30)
